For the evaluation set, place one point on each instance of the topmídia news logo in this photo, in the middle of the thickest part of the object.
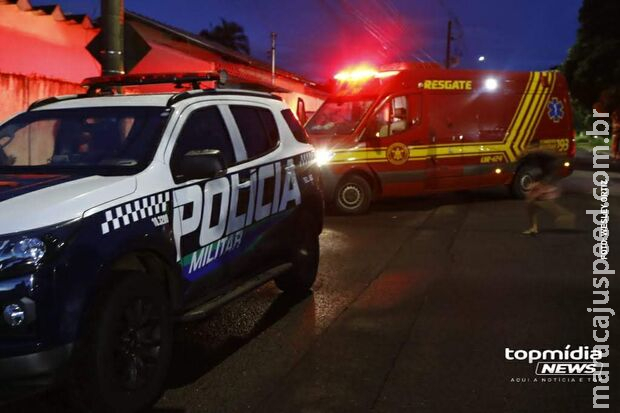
(580, 361)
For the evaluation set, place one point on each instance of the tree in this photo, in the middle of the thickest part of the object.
(228, 34)
(592, 67)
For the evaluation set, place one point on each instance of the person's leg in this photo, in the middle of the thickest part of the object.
(532, 213)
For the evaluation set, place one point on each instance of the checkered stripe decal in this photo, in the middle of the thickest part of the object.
(306, 158)
(134, 211)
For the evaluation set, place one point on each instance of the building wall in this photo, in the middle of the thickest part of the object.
(43, 53)
(35, 43)
(19, 91)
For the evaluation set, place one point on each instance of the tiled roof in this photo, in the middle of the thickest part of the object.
(228, 54)
(54, 10)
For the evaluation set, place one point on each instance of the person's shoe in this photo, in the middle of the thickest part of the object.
(530, 231)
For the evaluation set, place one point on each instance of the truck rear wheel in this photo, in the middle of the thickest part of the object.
(523, 179)
(353, 195)
(123, 360)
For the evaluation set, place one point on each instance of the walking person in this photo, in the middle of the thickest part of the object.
(541, 196)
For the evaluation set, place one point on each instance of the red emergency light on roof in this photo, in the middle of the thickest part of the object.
(363, 73)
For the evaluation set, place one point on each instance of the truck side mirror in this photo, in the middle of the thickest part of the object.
(301, 111)
(200, 164)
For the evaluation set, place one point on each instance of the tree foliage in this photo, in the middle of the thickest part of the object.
(593, 64)
(228, 34)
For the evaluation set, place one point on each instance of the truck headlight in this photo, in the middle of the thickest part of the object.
(323, 156)
(25, 250)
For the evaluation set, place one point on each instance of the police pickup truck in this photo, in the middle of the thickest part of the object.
(120, 214)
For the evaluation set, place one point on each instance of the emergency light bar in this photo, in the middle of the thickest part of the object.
(363, 74)
(178, 79)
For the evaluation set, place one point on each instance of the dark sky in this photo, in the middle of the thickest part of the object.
(317, 38)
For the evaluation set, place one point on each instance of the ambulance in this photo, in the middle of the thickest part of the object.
(412, 128)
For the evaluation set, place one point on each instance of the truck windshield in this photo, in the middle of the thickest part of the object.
(339, 116)
(102, 140)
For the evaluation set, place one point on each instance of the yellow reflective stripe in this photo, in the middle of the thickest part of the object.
(522, 134)
(523, 124)
(348, 155)
(541, 111)
(521, 116)
(519, 106)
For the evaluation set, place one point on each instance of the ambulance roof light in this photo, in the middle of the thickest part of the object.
(363, 74)
(491, 84)
(389, 73)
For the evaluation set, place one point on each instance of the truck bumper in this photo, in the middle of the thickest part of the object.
(30, 373)
(35, 364)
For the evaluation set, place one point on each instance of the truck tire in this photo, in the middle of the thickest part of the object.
(524, 177)
(353, 195)
(123, 360)
(300, 278)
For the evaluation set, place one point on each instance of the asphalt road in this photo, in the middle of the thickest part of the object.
(413, 308)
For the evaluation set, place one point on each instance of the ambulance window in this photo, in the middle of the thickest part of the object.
(258, 129)
(298, 131)
(204, 129)
(393, 117)
(415, 109)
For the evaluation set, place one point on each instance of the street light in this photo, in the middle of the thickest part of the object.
(481, 59)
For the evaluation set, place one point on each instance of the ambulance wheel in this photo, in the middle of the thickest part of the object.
(300, 278)
(523, 179)
(122, 362)
(353, 195)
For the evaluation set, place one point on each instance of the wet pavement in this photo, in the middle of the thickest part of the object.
(413, 307)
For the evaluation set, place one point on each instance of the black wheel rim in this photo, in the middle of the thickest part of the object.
(138, 344)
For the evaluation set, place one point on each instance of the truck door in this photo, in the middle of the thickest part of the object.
(204, 266)
(450, 127)
(398, 144)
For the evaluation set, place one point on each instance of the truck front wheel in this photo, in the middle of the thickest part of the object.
(353, 195)
(124, 356)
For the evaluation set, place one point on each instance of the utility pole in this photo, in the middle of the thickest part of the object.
(449, 45)
(273, 57)
(112, 27)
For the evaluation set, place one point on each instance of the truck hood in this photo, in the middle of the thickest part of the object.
(332, 141)
(29, 202)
